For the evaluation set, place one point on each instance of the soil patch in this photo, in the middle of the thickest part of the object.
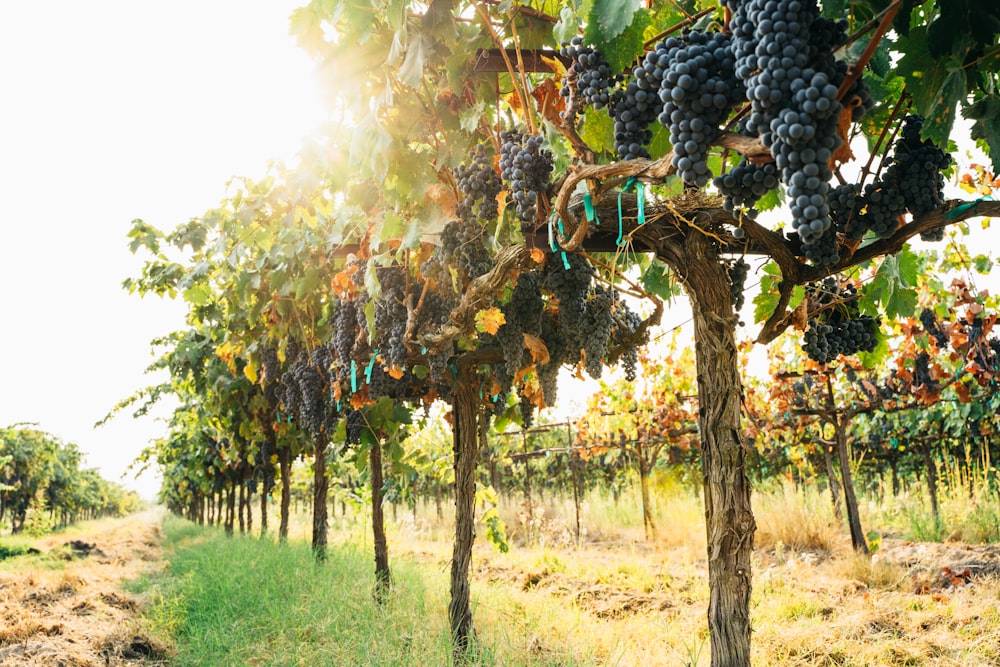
(78, 615)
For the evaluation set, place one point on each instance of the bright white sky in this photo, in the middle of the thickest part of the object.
(112, 110)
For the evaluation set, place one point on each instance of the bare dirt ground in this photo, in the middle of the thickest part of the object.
(66, 607)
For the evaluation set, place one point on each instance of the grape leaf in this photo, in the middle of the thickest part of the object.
(986, 114)
(489, 320)
(609, 18)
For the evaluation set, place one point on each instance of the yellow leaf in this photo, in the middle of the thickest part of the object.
(489, 320)
(556, 66)
(250, 370)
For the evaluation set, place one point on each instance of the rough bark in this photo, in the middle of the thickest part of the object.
(831, 476)
(729, 517)
(321, 486)
(285, 466)
(931, 479)
(465, 443)
(858, 540)
(230, 508)
(647, 509)
(382, 575)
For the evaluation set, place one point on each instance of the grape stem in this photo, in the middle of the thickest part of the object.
(858, 67)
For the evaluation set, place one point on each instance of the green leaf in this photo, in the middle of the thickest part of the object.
(622, 51)
(610, 18)
(892, 286)
(986, 114)
(567, 26)
(598, 130)
(659, 280)
(942, 109)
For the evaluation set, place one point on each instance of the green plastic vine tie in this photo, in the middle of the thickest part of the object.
(368, 369)
(589, 210)
(354, 377)
(973, 205)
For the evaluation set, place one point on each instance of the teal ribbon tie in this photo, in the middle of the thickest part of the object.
(589, 210)
(972, 205)
(354, 377)
(371, 365)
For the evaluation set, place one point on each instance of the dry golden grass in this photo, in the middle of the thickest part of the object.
(66, 607)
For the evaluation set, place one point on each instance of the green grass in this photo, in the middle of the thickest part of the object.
(244, 601)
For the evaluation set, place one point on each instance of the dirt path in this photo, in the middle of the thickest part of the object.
(66, 607)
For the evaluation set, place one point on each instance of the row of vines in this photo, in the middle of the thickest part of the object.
(512, 188)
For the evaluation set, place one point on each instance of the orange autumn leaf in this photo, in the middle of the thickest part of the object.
(537, 256)
(535, 345)
(395, 372)
(549, 102)
(444, 197)
(489, 320)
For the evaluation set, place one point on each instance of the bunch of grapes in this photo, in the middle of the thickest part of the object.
(911, 181)
(570, 287)
(522, 315)
(526, 168)
(303, 392)
(479, 186)
(745, 184)
(933, 328)
(697, 89)
(922, 371)
(355, 424)
(635, 107)
(345, 327)
(737, 272)
(463, 245)
(390, 316)
(589, 76)
(839, 328)
(597, 329)
(919, 165)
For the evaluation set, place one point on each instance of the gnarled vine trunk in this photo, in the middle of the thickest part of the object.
(321, 485)
(858, 540)
(382, 576)
(729, 517)
(465, 441)
(285, 467)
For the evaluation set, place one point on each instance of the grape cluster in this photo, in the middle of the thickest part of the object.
(636, 106)
(745, 184)
(270, 372)
(345, 326)
(933, 328)
(839, 328)
(589, 76)
(522, 315)
(912, 182)
(435, 312)
(597, 330)
(737, 272)
(390, 316)
(784, 53)
(922, 371)
(303, 391)
(919, 164)
(526, 168)
(570, 287)
(479, 186)
(698, 88)
(463, 245)
(354, 423)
